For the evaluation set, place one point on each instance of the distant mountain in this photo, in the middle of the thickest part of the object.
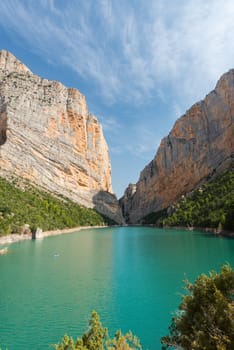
(200, 144)
(48, 137)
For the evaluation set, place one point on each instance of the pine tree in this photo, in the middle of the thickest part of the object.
(206, 316)
(96, 338)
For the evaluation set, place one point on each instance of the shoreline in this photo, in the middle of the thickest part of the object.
(14, 237)
(208, 230)
(68, 230)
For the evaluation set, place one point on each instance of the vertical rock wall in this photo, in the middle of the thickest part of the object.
(200, 143)
(48, 137)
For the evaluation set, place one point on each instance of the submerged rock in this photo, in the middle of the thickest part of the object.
(3, 251)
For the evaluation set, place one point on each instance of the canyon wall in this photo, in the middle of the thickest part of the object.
(48, 137)
(200, 144)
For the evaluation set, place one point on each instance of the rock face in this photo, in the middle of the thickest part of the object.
(48, 137)
(200, 143)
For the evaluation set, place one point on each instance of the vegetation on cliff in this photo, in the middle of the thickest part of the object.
(211, 205)
(206, 314)
(37, 208)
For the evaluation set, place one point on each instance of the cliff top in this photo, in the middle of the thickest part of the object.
(10, 63)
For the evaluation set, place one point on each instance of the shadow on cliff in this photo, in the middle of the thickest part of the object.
(106, 204)
(3, 128)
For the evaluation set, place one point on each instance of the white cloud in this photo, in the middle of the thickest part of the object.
(129, 50)
(154, 53)
(137, 138)
(139, 141)
(196, 48)
(110, 124)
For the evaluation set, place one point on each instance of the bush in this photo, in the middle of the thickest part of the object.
(41, 209)
(212, 205)
(206, 315)
(96, 338)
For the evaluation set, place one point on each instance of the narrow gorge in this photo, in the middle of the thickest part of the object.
(49, 138)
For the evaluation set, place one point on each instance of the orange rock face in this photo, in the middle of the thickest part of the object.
(48, 136)
(200, 143)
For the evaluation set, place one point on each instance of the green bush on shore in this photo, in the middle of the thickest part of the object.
(38, 208)
(97, 338)
(206, 314)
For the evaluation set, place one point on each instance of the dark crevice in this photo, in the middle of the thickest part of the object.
(3, 128)
(3, 120)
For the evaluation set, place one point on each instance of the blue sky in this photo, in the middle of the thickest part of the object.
(140, 63)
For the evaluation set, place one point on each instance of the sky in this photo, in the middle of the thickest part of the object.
(140, 63)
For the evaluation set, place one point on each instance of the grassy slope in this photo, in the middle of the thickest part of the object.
(37, 208)
(212, 205)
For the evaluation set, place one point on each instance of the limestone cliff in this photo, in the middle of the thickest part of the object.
(48, 137)
(200, 143)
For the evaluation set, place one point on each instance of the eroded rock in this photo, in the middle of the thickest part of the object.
(48, 136)
(200, 143)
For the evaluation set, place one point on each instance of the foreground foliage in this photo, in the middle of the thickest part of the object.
(212, 205)
(96, 338)
(40, 209)
(206, 317)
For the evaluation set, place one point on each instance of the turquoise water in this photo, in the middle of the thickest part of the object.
(131, 275)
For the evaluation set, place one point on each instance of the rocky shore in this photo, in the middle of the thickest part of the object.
(13, 238)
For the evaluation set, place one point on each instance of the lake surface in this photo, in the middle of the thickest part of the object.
(132, 276)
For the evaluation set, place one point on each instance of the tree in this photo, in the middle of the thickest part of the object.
(96, 338)
(206, 316)
(66, 344)
(96, 334)
(124, 342)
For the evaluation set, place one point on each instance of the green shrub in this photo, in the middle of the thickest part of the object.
(96, 338)
(38, 208)
(212, 205)
(206, 316)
